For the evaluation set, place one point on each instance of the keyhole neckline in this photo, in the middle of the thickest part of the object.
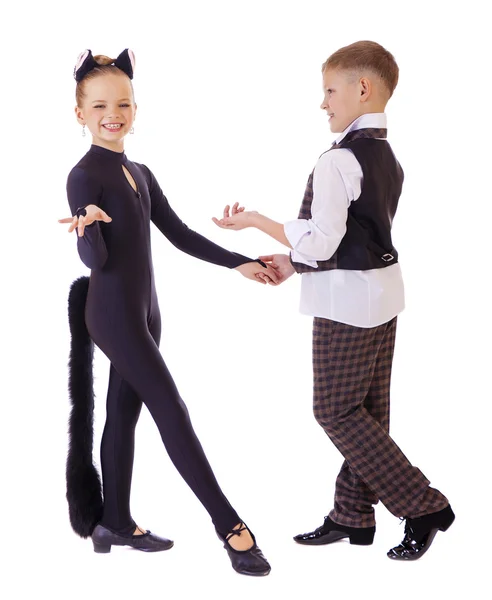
(135, 191)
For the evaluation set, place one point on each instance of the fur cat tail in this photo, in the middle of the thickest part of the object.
(84, 490)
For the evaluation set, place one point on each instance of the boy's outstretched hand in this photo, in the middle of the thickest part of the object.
(236, 218)
(282, 265)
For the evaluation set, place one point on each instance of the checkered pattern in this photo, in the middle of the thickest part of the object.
(357, 134)
(352, 373)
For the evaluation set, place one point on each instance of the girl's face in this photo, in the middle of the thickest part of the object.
(108, 110)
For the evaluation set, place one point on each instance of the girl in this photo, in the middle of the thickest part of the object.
(113, 200)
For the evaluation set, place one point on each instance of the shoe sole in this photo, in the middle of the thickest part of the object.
(106, 548)
(322, 541)
(335, 536)
(252, 573)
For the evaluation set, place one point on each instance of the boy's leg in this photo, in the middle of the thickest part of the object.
(344, 360)
(353, 499)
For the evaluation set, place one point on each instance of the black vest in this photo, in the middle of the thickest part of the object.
(367, 242)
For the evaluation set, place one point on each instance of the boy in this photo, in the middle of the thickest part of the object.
(352, 286)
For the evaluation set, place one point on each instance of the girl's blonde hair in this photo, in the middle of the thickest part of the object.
(105, 67)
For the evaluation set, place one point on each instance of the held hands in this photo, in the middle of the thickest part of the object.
(254, 271)
(282, 265)
(237, 219)
(93, 213)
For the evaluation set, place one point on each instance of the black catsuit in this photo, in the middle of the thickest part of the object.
(123, 319)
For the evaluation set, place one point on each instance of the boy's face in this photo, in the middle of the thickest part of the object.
(342, 98)
(108, 109)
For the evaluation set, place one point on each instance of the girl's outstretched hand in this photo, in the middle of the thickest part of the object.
(237, 219)
(93, 213)
(254, 271)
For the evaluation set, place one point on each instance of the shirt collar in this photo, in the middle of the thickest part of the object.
(375, 120)
(118, 157)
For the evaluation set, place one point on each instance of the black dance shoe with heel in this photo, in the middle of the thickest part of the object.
(103, 539)
(246, 562)
(420, 533)
(331, 532)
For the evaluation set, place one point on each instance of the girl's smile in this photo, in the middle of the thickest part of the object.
(113, 126)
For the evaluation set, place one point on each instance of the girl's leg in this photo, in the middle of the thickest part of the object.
(136, 357)
(243, 541)
(117, 450)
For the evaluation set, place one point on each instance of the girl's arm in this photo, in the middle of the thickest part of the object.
(187, 240)
(82, 191)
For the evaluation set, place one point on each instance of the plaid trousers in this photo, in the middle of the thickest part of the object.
(352, 373)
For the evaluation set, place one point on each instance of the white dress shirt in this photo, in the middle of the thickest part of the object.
(359, 298)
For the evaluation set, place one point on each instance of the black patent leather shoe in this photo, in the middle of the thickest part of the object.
(246, 562)
(420, 533)
(331, 532)
(103, 539)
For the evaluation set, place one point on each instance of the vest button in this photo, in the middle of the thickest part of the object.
(139, 195)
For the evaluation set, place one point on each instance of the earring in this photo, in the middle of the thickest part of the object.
(132, 130)
(83, 130)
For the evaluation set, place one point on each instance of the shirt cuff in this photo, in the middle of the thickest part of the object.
(294, 232)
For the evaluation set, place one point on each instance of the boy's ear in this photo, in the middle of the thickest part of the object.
(365, 88)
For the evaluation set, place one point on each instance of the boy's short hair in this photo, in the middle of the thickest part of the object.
(366, 55)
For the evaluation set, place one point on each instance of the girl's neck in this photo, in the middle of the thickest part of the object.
(116, 146)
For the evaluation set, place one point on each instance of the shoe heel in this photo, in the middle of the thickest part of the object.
(102, 548)
(363, 537)
(447, 525)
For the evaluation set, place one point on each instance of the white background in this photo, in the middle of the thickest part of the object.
(228, 98)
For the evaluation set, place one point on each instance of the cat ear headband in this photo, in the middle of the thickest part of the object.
(86, 62)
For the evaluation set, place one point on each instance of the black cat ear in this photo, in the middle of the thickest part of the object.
(126, 62)
(85, 63)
